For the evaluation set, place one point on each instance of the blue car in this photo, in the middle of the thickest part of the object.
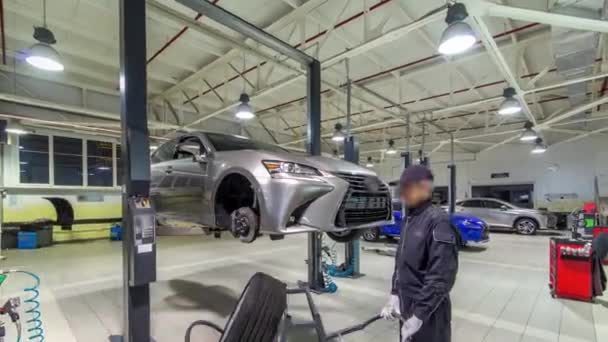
(471, 229)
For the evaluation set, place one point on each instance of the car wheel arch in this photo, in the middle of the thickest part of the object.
(231, 173)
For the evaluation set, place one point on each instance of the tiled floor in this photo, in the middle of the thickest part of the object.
(501, 293)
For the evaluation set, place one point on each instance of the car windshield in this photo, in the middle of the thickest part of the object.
(224, 142)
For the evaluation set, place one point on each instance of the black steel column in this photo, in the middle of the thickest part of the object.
(139, 269)
(315, 273)
(452, 185)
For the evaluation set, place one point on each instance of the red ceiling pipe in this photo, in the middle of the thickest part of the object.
(425, 59)
(366, 78)
(308, 40)
(173, 39)
(2, 37)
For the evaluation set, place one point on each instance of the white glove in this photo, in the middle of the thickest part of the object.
(391, 309)
(410, 327)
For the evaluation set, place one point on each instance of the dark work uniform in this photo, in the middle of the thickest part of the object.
(425, 270)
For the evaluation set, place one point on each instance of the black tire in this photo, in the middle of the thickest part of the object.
(346, 236)
(525, 226)
(371, 234)
(258, 313)
(251, 221)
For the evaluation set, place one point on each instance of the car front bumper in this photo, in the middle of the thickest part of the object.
(306, 204)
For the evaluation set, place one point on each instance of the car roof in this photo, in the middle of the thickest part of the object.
(485, 199)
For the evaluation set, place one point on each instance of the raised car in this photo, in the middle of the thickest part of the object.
(229, 182)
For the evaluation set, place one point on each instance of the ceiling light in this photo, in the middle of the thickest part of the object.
(370, 162)
(42, 55)
(103, 168)
(391, 147)
(16, 131)
(539, 147)
(338, 134)
(510, 105)
(529, 134)
(458, 37)
(244, 111)
(153, 147)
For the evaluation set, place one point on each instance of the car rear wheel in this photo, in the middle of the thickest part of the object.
(526, 226)
(371, 234)
(346, 236)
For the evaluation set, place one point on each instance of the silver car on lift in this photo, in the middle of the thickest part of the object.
(228, 182)
(501, 214)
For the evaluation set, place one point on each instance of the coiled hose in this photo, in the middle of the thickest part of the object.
(327, 262)
(34, 323)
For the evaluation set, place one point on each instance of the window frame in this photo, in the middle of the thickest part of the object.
(473, 200)
(51, 162)
(49, 156)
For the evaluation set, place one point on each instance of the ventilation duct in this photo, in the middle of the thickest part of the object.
(575, 51)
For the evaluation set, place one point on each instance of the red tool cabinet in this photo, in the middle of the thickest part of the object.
(570, 276)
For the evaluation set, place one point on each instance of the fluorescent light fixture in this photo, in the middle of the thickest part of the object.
(529, 133)
(153, 147)
(22, 163)
(370, 162)
(539, 147)
(338, 134)
(391, 147)
(243, 110)
(510, 105)
(14, 130)
(103, 168)
(458, 37)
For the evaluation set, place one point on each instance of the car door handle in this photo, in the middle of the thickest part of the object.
(169, 170)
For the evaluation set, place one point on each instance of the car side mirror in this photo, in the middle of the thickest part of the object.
(199, 158)
(504, 208)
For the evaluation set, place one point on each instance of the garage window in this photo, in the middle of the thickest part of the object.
(67, 155)
(99, 163)
(34, 159)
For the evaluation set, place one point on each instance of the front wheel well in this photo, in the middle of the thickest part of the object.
(235, 191)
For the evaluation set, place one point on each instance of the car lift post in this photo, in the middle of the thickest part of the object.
(315, 275)
(351, 154)
(139, 249)
(352, 248)
(452, 182)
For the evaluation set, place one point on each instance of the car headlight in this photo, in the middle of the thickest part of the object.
(276, 168)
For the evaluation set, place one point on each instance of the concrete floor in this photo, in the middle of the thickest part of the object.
(501, 293)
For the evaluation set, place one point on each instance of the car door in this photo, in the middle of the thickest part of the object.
(189, 170)
(473, 207)
(499, 214)
(161, 186)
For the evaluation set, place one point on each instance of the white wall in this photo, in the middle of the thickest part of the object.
(566, 168)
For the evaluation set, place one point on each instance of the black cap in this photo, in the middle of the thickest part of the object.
(414, 174)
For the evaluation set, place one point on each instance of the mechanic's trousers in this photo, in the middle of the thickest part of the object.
(438, 328)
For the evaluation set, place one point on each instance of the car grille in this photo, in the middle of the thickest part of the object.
(367, 200)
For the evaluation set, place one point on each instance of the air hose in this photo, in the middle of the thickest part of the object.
(34, 323)
(327, 262)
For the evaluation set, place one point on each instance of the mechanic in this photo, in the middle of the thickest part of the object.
(425, 265)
